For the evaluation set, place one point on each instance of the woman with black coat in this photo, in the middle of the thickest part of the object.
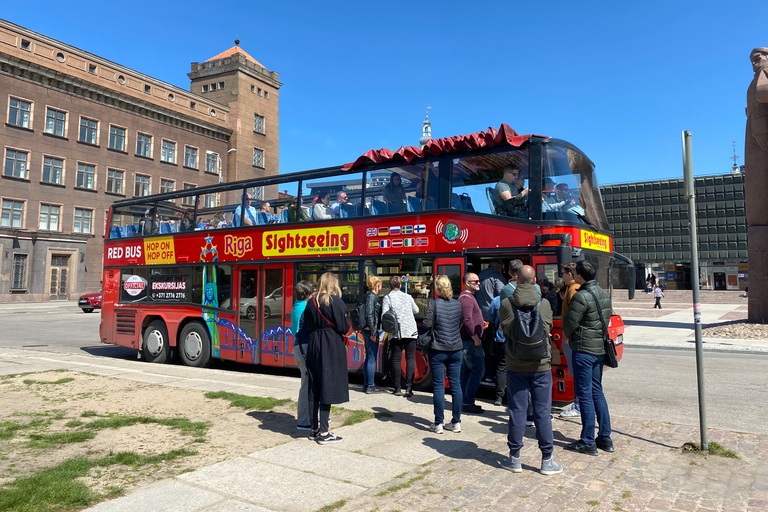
(325, 318)
(444, 316)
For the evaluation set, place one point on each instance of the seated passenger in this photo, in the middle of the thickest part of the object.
(187, 222)
(394, 194)
(566, 201)
(250, 218)
(149, 225)
(266, 209)
(505, 202)
(322, 208)
(341, 199)
(296, 214)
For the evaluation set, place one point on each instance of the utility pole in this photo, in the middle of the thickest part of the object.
(690, 196)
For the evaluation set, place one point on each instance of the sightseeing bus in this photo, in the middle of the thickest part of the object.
(209, 273)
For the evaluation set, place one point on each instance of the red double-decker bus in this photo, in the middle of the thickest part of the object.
(206, 274)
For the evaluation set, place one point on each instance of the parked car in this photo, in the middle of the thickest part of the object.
(90, 301)
(272, 304)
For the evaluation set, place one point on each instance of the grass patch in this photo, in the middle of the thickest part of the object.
(29, 382)
(57, 488)
(88, 414)
(715, 448)
(626, 494)
(358, 416)
(39, 441)
(74, 424)
(333, 506)
(8, 429)
(248, 402)
(593, 503)
(186, 427)
(404, 485)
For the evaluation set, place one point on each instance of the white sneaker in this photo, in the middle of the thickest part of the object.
(453, 427)
(437, 428)
(571, 412)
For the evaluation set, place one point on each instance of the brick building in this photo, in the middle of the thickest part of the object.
(80, 132)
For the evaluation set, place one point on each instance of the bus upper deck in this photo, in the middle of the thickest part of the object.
(549, 181)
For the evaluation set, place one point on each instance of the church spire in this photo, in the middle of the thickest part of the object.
(426, 131)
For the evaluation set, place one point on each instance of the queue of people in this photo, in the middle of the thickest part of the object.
(521, 322)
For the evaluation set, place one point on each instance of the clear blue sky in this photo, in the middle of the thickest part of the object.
(620, 80)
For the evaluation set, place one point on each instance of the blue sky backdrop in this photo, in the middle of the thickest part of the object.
(620, 80)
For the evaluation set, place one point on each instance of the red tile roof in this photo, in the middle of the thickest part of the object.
(235, 49)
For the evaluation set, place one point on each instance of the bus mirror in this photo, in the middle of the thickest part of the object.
(631, 281)
(564, 254)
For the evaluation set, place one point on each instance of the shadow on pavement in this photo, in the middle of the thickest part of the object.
(464, 450)
(113, 351)
(277, 422)
(405, 418)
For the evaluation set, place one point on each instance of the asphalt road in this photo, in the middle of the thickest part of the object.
(657, 384)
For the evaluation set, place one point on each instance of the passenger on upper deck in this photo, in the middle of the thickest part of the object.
(250, 218)
(394, 194)
(266, 209)
(341, 199)
(505, 202)
(322, 209)
(149, 225)
(296, 214)
(187, 222)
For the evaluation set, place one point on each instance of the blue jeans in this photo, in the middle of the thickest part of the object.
(539, 385)
(452, 363)
(568, 353)
(371, 353)
(472, 370)
(588, 374)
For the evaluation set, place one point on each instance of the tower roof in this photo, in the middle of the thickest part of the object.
(235, 49)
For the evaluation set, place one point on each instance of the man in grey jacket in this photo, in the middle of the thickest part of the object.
(583, 327)
(528, 376)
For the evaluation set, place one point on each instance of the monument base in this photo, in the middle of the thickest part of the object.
(757, 253)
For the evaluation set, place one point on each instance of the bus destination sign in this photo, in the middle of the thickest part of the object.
(308, 241)
(590, 240)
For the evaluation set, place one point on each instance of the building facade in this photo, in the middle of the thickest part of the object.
(81, 132)
(650, 225)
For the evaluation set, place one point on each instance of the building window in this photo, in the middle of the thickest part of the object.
(258, 91)
(89, 130)
(86, 176)
(192, 105)
(49, 217)
(210, 200)
(19, 272)
(115, 181)
(205, 88)
(211, 159)
(25, 44)
(190, 200)
(141, 186)
(221, 85)
(55, 122)
(190, 157)
(147, 89)
(168, 152)
(53, 170)
(266, 94)
(92, 68)
(16, 163)
(144, 145)
(213, 86)
(20, 113)
(253, 88)
(167, 186)
(12, 214)
(259, 124)
(258, 157)
(117, 138)
(83, 220)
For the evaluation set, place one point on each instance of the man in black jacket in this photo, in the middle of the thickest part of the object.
(583, 327)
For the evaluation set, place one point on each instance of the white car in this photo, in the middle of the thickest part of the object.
(272, 304)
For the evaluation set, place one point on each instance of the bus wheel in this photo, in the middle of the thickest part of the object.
(251, 313)
(154, 347)
(195, 344)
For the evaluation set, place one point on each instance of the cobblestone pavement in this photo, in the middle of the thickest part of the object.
(648, 471)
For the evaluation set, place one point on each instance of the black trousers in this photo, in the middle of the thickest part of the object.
(320, 415)
(658, 303)
(396, 348)
(500, 364)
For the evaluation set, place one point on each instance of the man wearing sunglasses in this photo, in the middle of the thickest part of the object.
(473, 356)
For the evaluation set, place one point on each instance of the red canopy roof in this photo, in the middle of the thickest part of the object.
(504, 136)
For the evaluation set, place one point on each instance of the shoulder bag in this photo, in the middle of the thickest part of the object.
(610, 348)
(425, 339)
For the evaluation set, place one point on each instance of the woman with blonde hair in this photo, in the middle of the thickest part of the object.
(444, 316)
(325, 318)
(371, 333)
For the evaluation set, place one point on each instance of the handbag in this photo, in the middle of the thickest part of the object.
(425, 339)
(346, 336)
(610, 348)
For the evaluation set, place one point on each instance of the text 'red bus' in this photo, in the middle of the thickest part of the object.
(203, 273)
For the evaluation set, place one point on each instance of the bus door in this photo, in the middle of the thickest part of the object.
(248, 314)
(272, 337)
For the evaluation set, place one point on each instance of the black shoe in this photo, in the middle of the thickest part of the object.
(606, 445)
(329, 438)
(408, 392)
(578, 446)
(372, 390)
(472, 409)
(397, 392)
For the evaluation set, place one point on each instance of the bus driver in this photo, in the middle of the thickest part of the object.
(505, 202)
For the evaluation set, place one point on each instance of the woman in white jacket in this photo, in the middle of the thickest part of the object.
(404, 308)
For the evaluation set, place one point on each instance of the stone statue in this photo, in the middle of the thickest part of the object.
(756, 185)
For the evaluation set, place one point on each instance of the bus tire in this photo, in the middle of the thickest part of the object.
(155, 347)
(195, 345)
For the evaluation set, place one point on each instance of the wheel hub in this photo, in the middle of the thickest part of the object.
(193, 346)
(155, 342)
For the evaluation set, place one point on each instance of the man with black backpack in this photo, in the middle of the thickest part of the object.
(526, 320)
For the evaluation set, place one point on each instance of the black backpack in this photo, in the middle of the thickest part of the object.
(529, 338)
(358, 316)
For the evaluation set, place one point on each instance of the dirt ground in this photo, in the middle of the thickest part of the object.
(59, 407)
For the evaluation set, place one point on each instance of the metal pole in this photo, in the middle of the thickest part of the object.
(690, 196)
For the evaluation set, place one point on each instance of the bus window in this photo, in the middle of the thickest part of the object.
(410, 188)
(133, 285)
(569, 188)
(344, 196)
(211, 285)
(454, 274)
(348, 273)
(480, 184)
(271, 202)
(416, 275)
(213, 212)
(139, 219)
(548, 279)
